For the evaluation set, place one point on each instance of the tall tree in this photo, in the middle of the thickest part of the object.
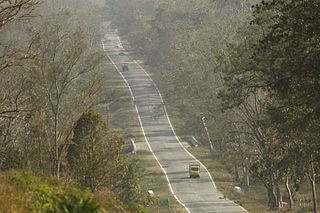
(61, 74)
(96, 159)
(291, 50)
(14, 103)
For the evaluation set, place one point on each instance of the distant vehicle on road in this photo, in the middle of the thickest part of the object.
(122, 54)
(194, 170)
(125, 67)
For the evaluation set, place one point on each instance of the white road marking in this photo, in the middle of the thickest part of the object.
(145, 137)
(125, 80)
(165, 109)
(164, 171)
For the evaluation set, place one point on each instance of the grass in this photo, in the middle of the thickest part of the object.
(11, 196)
(153, 179)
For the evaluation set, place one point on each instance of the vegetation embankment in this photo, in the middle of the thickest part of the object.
(248, 71)
(23, 192)
(52, 87)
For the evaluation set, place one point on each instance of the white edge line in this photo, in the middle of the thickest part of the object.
(213, 183)
(170, 187)
(145, 137)
(165, 109)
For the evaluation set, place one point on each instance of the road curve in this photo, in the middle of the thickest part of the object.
(196, 195)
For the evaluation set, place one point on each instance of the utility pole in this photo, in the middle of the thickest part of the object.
(208, 135)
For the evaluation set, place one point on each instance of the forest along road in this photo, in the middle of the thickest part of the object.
(197, 194)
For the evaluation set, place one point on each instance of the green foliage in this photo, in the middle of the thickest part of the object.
(137, 208)
(24, 180)
(49, 199)
(10, 157)
(127, 185)
(70, 200)
(36, 118)
(96, 159)
(93, 154)
(286, 59)
(48, 78)
(279, 68)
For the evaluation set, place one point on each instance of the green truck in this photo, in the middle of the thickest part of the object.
(194, 170)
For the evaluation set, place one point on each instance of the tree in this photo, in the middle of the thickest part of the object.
(18, 9)
(14, 104)
(96, 159)
(10, 11)
(288, 60)
(249, 105)
(63, 82)
(281, 67)
(87, 155)
(12, 88)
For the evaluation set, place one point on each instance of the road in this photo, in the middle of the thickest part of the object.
(196, 195)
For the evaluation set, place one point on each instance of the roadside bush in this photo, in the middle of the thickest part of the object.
(9, 158)
(55, 199)
(60, 200)
(23, 180)
(134, 207)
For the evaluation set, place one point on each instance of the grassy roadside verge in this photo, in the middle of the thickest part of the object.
(253, 198)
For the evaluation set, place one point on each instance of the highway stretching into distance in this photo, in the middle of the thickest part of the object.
(197, 195)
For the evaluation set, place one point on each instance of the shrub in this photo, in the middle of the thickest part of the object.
(23, 180)
(60, 200)
(55, 199)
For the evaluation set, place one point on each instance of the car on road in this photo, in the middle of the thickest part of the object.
(194, 170)
(122, 54)
(125, 67)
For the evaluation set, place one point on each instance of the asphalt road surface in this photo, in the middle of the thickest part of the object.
(197, 195)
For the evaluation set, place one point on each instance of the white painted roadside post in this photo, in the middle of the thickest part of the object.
(209, 139)
(237, 189)
(193, 141)
(150, 193)
(133, 146)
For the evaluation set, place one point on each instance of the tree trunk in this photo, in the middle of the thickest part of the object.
(207, 132)
(236, 173)
(56, 149)
(289, 193)
(246, 175)
(56, 139)
(312, 179)
(272, 198)
(278, 196)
